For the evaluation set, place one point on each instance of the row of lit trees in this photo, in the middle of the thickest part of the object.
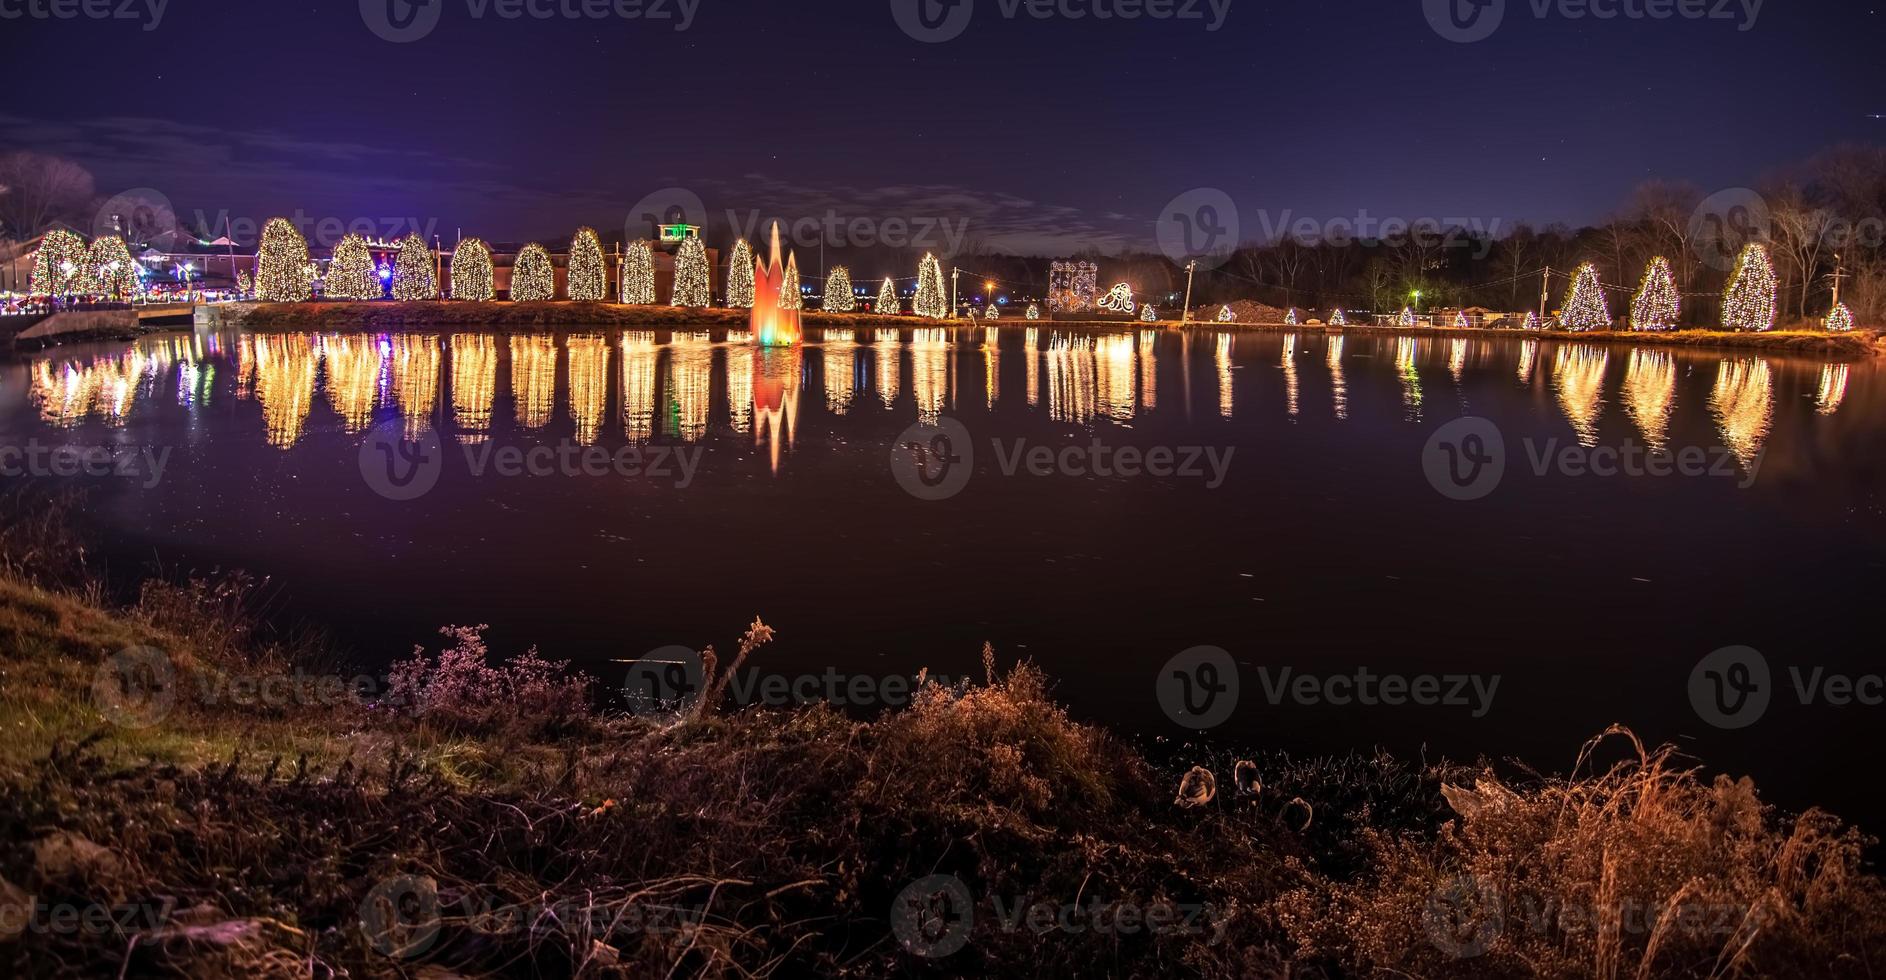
(67, 267)
(284, 274)
(1748, 303)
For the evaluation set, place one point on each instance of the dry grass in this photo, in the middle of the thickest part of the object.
(776, 843)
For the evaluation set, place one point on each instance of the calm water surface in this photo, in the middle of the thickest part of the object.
(1325, 549)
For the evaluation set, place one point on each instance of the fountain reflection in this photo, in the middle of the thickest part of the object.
(1578, 377)
(739, 390)
(533, 379)
(1650, 394)
(777, 372)
(1744, 405)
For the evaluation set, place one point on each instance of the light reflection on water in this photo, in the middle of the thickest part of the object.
(677, 384)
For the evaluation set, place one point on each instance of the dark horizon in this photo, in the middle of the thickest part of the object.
(1049, 136)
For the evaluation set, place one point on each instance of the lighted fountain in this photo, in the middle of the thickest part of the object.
(772, 325)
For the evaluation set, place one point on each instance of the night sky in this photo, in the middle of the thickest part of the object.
(1048, 135)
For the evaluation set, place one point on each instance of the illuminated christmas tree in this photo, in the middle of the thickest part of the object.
(533, 277)
(1406, 318)
(245, 285)
(887, 304)
(1585, 308)
(931, 300)
(109, 267)
(588, 274)
(740, 276)
(1656, 304)
(1149, 315)
(838, 298)
(472, 277)
(995, 312)
(60, 268)
(1226, 316)
(1290, 318)
(638, 274)
(1336, 318)
(1749, 301)
(791, 293)
(1532, 322)
(283, 273)
(414, 276)
(1840, 320)
(351, 274)
(691, 275)
(1034, 312)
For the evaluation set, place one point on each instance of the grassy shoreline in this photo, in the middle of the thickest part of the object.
(533, 316)
(501, 830)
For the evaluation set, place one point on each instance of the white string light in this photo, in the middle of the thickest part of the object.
(533, 277)
(281, 264)
(588, 275)
(1656, 306)
(472, 277)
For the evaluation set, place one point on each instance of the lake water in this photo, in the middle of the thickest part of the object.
(1319, 542)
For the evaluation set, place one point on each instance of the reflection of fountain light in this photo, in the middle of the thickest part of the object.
(839, 366)
(1457, 359)
(355, 366)
(890, 358)
(640, 357)
(1578, 377)
(690, 385)
(1833, 389)
(1148, 370)
(1223, 357)
(416, 360)
(740, 390)
(474, 385)
(1744, 403)
(1031, 355)
(534, 379)
(992, 364)
(1073, 388)
(775, 395)
(1406, 355)
(1650, 394)
(1290, 374)
(589, 385)
(1528, 356)
(284, 385)
(1339, 388)
(1114, 384)
(930, 372)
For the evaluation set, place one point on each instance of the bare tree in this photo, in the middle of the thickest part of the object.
(38, 190)
(1801, 235)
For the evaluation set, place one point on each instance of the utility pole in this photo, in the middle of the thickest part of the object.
(1545, 291)
(1840, 272)
(1185, 313)
(955, 274)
